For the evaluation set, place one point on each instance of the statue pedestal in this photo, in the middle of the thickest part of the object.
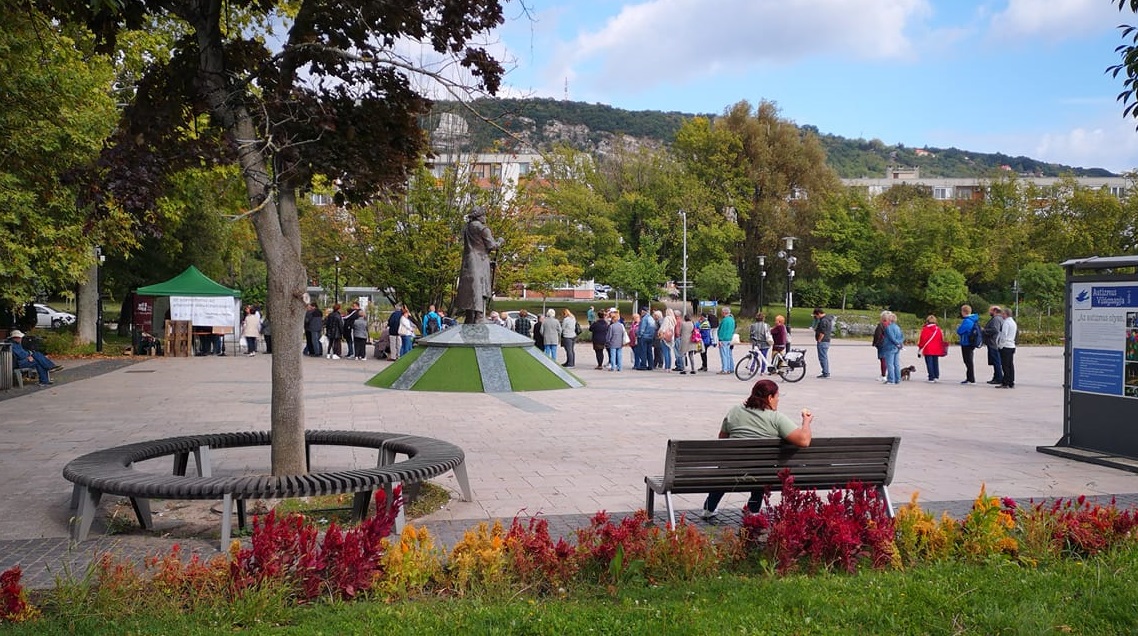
(481, 358)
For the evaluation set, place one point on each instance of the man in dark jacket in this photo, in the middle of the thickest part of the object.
(349, 319)
(314, 324)
(394, 342)
(991, 340)
(334, 329)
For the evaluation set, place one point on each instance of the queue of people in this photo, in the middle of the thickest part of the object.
(998, 335)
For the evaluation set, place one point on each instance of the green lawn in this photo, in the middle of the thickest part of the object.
(1091, 597)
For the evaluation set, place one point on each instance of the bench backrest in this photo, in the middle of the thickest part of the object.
(701, 465)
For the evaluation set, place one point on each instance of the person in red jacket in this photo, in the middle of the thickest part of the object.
(931, 345)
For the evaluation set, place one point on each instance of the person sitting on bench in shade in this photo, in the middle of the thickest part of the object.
(31, 359)
(759, 418)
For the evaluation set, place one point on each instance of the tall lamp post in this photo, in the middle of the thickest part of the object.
(762, 278)
(336, 289)
(791, 261)
(684, 282)
(98, 297)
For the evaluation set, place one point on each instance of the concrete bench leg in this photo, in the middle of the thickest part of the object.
(76, 493)
(361, 502)
(201, 460)
(649, 501)
(226, 521)
(463, 482)
(142, 512)
(400, 518)
(81, 522)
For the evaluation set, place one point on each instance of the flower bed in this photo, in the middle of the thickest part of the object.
(289, 561)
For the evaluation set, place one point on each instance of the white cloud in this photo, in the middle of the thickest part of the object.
(669, 41)
(1054, 19)
(1111, 144)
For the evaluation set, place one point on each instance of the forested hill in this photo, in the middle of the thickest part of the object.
(544, 122)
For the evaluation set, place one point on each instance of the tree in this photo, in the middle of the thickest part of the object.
(334, 97)
(717, 281)
(1042, 284)
(786, 181)
(55, 111)
(945, 289)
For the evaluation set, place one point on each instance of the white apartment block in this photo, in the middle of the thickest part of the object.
(968, 189)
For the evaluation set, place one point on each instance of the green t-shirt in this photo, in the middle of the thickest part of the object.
(741, 421)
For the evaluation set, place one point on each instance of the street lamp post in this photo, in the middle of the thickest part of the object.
(684, 282)
(336, 289)
(791, 261)
(99, 260)
(762, 278)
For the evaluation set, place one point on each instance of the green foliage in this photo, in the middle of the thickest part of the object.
(945, 290)
(55, 112)
(1042, 284)
(718, 281)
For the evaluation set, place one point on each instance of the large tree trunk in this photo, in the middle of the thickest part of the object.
(87, 307)
(273, 200)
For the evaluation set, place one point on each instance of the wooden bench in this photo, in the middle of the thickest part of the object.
(734, 465)
(111, 472)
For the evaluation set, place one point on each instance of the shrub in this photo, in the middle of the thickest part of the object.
(805, 532)
(539, 563)
(986, 531)
(478, 561)
(285, 549)
(411, 566)
(920, 538)
(615, 552)
(1070, 527)
(681, 553)
(14, 606)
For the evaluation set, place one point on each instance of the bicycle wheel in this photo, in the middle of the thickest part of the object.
(792, 374)
(747, 367)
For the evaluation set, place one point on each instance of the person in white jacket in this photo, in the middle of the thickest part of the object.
(1006, 341)
(570, 329)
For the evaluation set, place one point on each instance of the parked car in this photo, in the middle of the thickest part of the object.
(47, 317)
(600, 295)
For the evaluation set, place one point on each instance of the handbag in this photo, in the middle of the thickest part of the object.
(626, 339)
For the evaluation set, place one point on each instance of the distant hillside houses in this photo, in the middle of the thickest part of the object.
(971, 188)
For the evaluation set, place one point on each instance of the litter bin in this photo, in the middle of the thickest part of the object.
(6, 366)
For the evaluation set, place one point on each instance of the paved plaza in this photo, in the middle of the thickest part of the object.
(559, 453)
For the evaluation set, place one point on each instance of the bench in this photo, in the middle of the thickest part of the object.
(19, 374)
(734, 465)
(111, 472)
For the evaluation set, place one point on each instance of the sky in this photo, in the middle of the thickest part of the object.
(1022, 77)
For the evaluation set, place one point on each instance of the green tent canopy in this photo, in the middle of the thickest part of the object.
(189, 283)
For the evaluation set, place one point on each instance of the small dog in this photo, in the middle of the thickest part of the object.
(907, 371)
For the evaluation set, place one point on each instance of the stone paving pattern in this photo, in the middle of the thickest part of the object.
(561, 454)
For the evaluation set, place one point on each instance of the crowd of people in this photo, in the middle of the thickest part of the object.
(665, 339)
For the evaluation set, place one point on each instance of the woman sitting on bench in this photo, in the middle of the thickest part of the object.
(31, 359)
(758, 417)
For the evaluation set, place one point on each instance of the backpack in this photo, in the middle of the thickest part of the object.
(576, 328)
(433, 324)
(975, 337)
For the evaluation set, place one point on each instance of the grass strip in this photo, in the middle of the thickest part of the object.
(1092, 597)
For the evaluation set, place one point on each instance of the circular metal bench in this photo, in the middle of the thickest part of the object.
(110, 472)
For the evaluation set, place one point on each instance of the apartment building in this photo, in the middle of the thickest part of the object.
(971, 188)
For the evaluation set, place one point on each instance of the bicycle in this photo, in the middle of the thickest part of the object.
(789, 365)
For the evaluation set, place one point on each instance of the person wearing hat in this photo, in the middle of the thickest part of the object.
(31, 359)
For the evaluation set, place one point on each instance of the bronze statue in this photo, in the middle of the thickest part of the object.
(475, 282)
